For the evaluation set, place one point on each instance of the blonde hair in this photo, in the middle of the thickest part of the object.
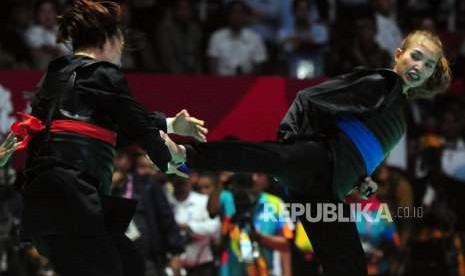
(440, 80)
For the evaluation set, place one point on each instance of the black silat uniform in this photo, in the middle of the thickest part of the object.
(68, 212)
(315, 160)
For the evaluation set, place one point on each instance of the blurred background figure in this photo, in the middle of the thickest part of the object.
(388, 33)
(235, 49)
(207, 183)
(138, 54)
(255, 228)
(304, 43)
(180, 40)
(14, 52)
(396, 190)
(41, 37)
(153, 228)
(380, 239)
(266, 18)
(361, 50)
(436, 244)
(427, 23)
(452, 127)
(197, 228)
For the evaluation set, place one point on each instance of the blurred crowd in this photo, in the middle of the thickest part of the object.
(214, 223)
(296, 38)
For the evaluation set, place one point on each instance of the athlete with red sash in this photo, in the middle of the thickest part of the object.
(82, 110)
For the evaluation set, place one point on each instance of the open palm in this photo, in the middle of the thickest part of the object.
(184, 124)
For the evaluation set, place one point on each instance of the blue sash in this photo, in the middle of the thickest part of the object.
(364, 140)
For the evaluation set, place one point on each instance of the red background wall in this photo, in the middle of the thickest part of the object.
(247, 107)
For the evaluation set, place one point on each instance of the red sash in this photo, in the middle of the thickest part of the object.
(28, 125)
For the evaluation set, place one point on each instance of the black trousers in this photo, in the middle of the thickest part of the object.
(203, 269)
(103, 256)
(80, 231)
(305, 167)
(336, 244)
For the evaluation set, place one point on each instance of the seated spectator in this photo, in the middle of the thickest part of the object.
(12, 38)
(197, 228)
(427, 23)
(206, 183)
(235, 49)
(363, 50)
(22, 16)
(180, 40)
(123, 162)
(138, 54)
(388, 33)
(13, 51)
(41, 37)
(266, 17)
(319, 11)
(304, 43)
(453, 153)
(147, 13)
(349, 9)
(209, 12)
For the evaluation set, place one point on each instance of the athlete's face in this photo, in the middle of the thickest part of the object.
(416, 63)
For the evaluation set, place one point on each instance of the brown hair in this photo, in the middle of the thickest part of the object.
(442, 75)
(88, 23)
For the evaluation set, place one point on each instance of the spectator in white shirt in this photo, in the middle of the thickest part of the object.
(236, 50)
(388, 34)
(304, 42)
(266, 17)
(207, 183)
(453, 153)
(41, 37)
(199, 230)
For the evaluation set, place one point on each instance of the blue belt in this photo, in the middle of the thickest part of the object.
(364, 140)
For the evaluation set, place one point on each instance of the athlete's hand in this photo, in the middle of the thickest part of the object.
(7, 148)
(178, 152)
(184, 124)
(368, 188)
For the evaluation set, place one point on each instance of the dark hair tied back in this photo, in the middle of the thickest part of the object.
(88, 23)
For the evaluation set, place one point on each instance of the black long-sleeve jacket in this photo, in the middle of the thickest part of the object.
(373, 96)
(82, 89)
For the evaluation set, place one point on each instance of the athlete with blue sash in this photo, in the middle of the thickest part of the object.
(332, 138)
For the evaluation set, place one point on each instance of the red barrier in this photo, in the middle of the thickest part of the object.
(246, 107)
